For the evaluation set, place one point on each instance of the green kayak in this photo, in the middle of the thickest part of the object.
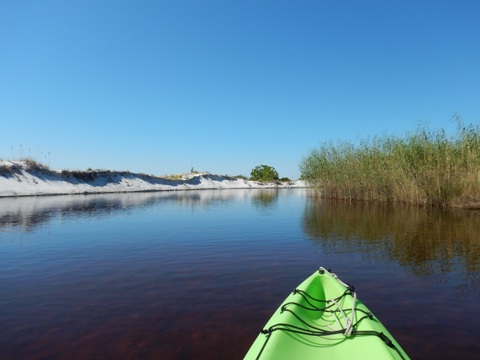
(323, 319)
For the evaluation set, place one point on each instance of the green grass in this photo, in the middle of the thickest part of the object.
(425, 167)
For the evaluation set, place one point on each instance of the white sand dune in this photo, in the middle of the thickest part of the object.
(22, 178)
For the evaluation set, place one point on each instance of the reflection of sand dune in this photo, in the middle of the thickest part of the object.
(27, 212)
(429, 241)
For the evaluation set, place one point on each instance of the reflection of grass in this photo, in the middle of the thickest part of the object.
(424, 168)
(425, 240)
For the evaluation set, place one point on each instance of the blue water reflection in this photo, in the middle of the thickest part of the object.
(196, 274)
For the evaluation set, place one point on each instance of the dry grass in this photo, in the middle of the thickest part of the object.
(425, 168)
(30, 165)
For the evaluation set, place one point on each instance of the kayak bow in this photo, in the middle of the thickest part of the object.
(323, 319)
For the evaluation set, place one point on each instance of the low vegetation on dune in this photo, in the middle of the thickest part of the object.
(425, 167)
(29, 165)
(261, 173)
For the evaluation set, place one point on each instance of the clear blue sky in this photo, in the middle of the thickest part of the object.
(222, 86)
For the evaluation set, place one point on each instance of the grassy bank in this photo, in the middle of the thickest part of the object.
(425, 167)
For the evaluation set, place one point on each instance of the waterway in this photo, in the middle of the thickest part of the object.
(196, 274)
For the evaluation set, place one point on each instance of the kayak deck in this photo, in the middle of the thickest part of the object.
(323, 319)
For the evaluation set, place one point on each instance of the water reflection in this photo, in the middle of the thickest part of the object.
(26, 213)
(166, 274)
(427, 241)
(266, 199)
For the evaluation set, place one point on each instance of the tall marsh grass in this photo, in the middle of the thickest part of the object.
(426, 167)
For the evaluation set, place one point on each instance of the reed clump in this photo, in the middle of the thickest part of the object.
(425, 167)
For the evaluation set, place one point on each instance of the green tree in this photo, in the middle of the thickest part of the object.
(264, 173)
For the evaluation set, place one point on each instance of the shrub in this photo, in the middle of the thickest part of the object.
(264, 173)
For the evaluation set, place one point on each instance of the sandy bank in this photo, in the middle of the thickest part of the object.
(23, 178)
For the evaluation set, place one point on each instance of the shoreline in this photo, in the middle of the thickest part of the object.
(25, 178)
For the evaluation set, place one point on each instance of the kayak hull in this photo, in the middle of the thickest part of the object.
(323, 319)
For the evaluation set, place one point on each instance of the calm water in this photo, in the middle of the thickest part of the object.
(195, 275)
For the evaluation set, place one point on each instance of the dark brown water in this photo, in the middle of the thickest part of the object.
(197, 274)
